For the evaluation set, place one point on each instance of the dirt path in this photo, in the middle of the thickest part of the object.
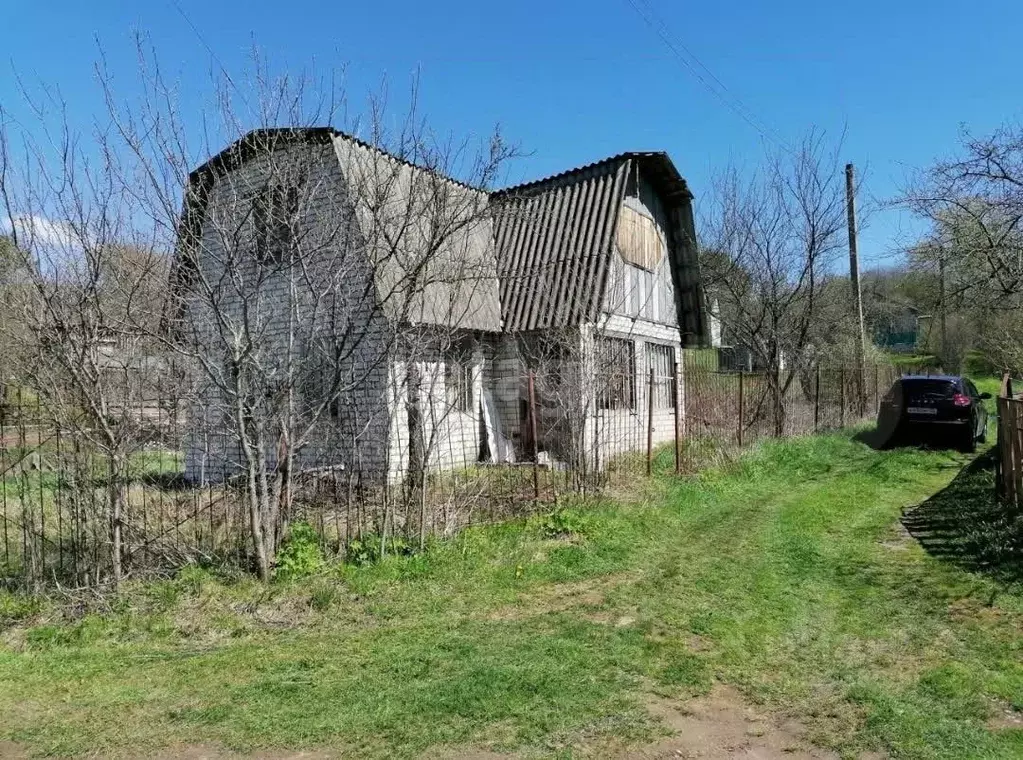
(718, 726)
(722, 725)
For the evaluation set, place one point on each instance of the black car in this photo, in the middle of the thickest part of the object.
(934, 406)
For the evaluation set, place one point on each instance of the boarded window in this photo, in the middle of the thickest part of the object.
(616, 373)
(639, 239)
(275, 216)
(661, 360)
(458, 378)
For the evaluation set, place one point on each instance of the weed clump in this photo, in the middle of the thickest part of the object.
(300, 554)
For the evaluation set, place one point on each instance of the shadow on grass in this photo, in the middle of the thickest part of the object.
(874, 438)
(881, 439)
(965, 524)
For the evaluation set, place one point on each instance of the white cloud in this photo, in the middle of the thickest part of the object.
(38, 232)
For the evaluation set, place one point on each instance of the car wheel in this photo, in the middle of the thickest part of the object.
(982, 438)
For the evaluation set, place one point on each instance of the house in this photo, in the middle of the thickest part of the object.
(451, 298)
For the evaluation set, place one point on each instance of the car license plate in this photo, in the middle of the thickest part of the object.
(922, 410)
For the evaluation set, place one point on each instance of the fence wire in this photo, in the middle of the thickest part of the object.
(58, 487)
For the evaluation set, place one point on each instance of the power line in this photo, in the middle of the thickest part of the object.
(209, 49)
(694, 65)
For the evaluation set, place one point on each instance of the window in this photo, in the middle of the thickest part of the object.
(458, 379)
(275, 218)
(639, 239)
(616, 373)
(319, 381)
(661, 360)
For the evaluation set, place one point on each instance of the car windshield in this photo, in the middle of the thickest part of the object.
(928, 390)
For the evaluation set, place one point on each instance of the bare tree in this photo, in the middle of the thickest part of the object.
(775, 238)
(975, 205)
(974, 249)
(309, 271)
(85, 295)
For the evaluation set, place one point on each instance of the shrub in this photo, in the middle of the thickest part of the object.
(300, 554)
(15, 608)
(366, 550)
(562, 523)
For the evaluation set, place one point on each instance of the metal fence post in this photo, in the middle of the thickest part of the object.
(678, 419)
(841, 397)
(534, 434)
(650, 424)
(741, 407)
(817, 400)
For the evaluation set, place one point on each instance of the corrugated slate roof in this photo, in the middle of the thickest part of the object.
(453, 280)
(424, 233)
(554, 238)
(551, 240)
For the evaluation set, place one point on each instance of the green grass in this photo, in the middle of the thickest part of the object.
(785, 574)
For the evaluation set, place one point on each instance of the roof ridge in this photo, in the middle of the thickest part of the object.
(579, 169)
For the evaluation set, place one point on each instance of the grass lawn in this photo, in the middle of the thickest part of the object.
(787, 576)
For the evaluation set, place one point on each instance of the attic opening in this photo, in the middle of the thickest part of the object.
(640, 238)
(275, 217)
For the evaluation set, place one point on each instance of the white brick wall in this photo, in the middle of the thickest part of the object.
(451, 436)
(332, 292)
(618, 431)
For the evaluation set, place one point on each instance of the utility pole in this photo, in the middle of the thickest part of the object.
(854, 277)
(942, 311)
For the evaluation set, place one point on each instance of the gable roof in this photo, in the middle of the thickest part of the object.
(421, 276)
(554, 239)
(540, 261)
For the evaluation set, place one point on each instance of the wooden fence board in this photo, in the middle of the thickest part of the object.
(1009, 475)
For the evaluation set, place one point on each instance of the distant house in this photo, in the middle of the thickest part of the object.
(603, 257)
(733, 354)
(897, 328)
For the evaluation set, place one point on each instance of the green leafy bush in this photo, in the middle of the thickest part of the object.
(562, 523)
(300, 554)
(15, 608)
(366, 550)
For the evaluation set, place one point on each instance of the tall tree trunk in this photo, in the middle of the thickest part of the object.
(416, 434)
(256, 520)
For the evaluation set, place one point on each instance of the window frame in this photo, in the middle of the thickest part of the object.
(665, 390)
(460, 379)
(616, 363)
(275, 232)
(318, 373)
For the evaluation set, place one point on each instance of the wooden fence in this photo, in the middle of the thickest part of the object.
(1009, 478)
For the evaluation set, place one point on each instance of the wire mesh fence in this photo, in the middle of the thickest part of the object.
(62, 492)
(741, 406)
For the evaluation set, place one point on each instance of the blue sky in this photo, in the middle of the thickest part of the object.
(573, 82)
